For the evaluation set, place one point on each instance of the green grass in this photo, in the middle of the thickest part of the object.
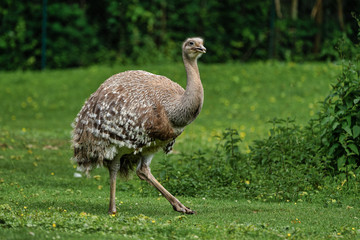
(142, 218)
(41, 199)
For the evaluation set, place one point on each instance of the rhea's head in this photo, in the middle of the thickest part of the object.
(193, 48)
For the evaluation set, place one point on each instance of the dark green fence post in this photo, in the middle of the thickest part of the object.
(43, 35)
(272, 30)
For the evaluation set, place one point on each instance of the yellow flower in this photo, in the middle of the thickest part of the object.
(343, 182)
(54, 225)
(247, 182)
(153, 221)
(52, 174)
(242, 135)
(289, 235)
(25, 207)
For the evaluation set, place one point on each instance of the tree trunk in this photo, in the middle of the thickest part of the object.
(294, 9)
(278, 8)
(317, 13)
(341, 14)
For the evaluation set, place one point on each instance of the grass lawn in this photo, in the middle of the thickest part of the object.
(41, 199)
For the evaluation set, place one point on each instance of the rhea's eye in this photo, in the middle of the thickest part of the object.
(191, 43)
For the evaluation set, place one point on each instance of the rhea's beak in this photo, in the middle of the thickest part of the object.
(201, 49)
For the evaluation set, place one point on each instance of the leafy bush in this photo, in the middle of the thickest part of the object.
(287, 161)
(19, 37)
(340, 121)
(71, 40)
(282, 167)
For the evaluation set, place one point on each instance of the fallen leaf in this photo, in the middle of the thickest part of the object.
(49, 147)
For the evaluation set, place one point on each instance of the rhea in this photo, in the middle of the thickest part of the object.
(134, 114)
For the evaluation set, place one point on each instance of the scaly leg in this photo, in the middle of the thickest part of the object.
(114, 167)
(144, 173)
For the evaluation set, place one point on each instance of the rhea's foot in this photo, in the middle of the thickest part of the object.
(112, 211)
(181, 208)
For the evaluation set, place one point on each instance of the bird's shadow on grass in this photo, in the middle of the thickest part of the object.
(71, 206)
(74, 204)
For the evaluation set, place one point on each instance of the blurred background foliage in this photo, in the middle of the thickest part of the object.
(86, 32)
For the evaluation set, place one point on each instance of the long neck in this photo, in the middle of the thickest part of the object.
(189, 105)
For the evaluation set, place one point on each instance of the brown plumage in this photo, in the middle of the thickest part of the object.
(134, 114)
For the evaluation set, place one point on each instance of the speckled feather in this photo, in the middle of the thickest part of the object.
(127, 115)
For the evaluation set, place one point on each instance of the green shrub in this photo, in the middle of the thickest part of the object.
(287, 161)
(284, 166)
(71, 40)
(340, 121)
(207, 172)
(19, 36)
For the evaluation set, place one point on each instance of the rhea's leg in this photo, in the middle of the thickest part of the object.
(114, 167)
(144, 173)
